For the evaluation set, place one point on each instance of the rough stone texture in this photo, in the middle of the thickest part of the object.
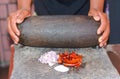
(27, 66)
(59, 31)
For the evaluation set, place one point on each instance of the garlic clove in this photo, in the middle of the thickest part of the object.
(61, 68)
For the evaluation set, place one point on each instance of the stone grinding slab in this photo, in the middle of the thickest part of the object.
(27, 66)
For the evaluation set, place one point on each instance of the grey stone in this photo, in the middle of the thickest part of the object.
(59, 31)
(27, 66)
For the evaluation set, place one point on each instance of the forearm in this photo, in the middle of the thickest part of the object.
(97, 4)
(24, 4)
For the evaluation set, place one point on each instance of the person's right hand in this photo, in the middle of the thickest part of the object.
(14, 19)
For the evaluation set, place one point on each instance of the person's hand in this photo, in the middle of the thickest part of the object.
(104, 29)
(14, 19)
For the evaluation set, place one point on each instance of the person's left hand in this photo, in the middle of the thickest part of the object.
(104, 29)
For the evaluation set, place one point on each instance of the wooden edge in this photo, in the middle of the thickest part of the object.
(11, 61)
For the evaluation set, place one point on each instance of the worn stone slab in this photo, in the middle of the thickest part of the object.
(27, 66)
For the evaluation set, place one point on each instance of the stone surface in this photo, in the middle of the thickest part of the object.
(114, 54)
(59, 31)
(27, 66)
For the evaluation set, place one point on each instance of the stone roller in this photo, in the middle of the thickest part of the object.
(59, 31)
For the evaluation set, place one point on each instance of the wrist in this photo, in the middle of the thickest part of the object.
(24, 11)
(95, 9)
(97, 5)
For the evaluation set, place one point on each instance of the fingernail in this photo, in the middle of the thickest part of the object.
(98, 32)
(19, 21)
(97, 18)
(105, 44)
(18, 33)
(101, 45)
(15, 42)
(100, 39)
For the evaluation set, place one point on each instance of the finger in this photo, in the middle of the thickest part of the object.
(103, 44)
(105, 34)
(103, 23)
(12, 34)
(103, 38)
(103, 41)
(96, 16)
(13, 25)
(100, 39)
(10, 30)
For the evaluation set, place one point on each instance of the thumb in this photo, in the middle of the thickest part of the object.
(94, 14)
